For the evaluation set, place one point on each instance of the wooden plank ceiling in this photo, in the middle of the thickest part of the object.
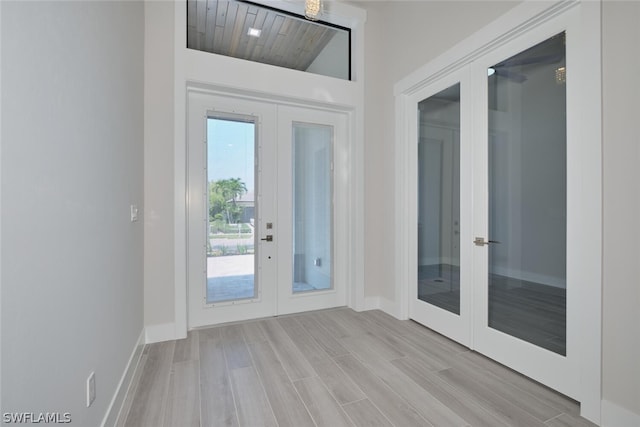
(221, 27)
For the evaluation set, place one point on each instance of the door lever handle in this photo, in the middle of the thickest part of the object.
(479, 241)
(269, 238)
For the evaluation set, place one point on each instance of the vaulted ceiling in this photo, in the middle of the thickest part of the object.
(222, 27)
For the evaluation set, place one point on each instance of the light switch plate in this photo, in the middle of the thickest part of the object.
(134, 213)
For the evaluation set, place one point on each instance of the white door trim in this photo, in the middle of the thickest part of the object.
(587, 231)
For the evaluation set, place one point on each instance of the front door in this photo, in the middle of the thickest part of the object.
(261, 209)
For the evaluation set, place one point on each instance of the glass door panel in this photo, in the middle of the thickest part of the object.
(442, 215)
(312, 207)
(311, 238)
(439, 200)
(527, 195)
(231, 210)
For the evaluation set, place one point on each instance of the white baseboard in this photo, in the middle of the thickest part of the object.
(371, 303)
(113, 411)
(617, 416)
(384, 304)
(390, 307)
(160, 333)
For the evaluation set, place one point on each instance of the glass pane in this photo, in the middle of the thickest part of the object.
(270, 36)
(527, 195)
(312, 207)
(439, 200)
(231, 206)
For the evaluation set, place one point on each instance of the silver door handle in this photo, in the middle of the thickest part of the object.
(479, 241)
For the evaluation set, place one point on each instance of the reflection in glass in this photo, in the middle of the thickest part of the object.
(527, 195)
(312, 207)
(262, 34)
(231, 208)
(439, 200)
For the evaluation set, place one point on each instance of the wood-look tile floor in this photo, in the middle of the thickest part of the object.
(333, 368)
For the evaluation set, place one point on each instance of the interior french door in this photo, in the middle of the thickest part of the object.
(525, 214)
(261, 213)
(442, 296)
(494, 256)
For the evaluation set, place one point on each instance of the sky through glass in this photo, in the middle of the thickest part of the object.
(231, 149)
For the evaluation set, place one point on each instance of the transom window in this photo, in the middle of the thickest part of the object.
(263, 34)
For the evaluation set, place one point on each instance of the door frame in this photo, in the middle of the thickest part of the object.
(346, 224)
(584, 319)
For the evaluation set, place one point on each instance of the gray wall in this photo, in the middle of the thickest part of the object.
(72, 163)
(621, 160)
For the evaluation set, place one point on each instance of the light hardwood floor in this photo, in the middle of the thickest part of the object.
(333, 368)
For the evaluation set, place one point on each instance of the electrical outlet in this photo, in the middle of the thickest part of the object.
(91, 388)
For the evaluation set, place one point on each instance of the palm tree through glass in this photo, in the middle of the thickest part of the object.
(231, 210)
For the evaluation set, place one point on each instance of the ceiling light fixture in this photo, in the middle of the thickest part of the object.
(254, 32)
(312, 9)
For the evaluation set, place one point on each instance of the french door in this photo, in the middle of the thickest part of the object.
(261, 211)
(442, 296)
(495, 203)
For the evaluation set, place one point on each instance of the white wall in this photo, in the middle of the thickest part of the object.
(158, 163)
(621, 160)
(400, 37)
(72, 110)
